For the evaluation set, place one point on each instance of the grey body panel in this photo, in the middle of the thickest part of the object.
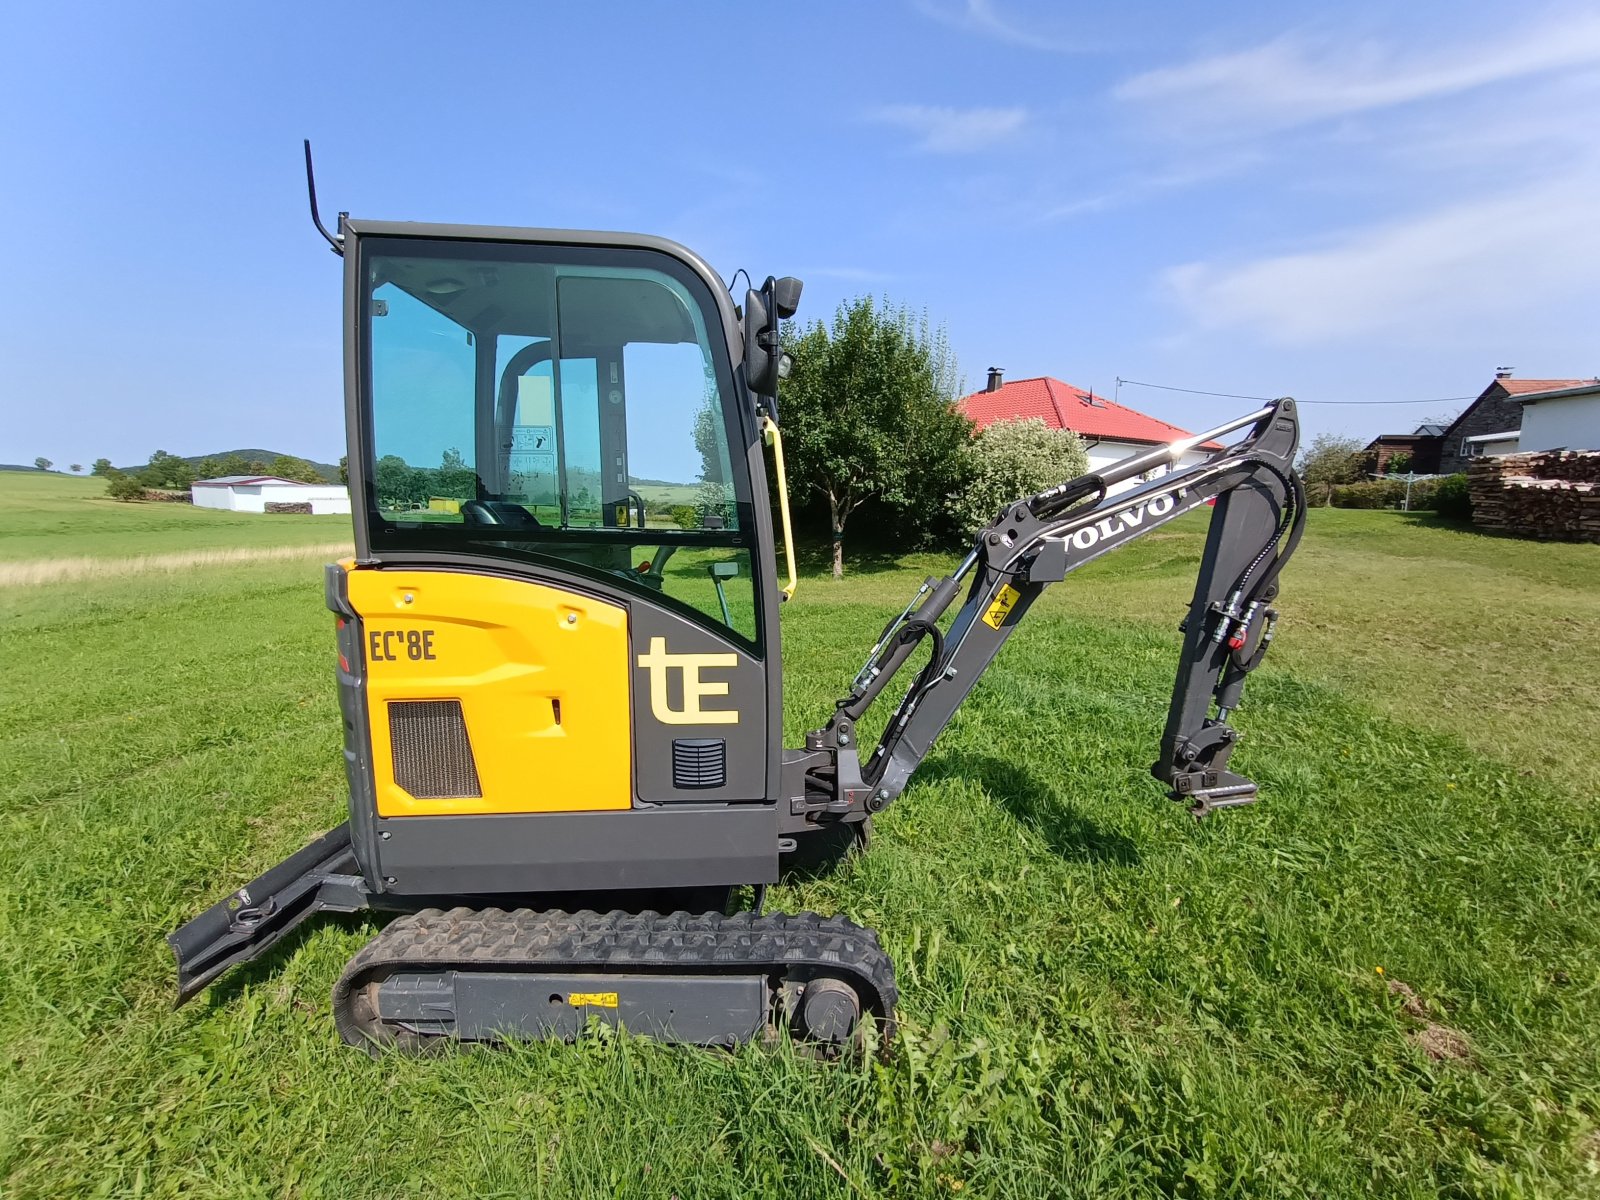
(745, 740)
(484, 854)
(699, 1010)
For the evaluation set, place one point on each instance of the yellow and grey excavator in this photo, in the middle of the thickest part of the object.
(559, 663)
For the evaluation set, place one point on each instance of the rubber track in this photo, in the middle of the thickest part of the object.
(495, 939)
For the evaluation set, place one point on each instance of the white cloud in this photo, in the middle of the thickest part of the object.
(943, 130)
(982, 16)
(1472, 265)
(1290, 81)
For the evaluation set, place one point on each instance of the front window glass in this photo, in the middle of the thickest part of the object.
(560, 403)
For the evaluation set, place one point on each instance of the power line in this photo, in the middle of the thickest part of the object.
(1239, 396)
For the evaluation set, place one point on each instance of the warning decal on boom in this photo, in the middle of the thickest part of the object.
(1001, 608)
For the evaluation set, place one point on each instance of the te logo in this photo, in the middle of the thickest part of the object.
(658, 662)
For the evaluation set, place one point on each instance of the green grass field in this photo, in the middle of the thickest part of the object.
(1099, 997)
(62, 516)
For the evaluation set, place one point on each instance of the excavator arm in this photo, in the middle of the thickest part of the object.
(1038, 541)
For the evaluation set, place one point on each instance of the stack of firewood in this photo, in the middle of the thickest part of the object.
(1551, 495)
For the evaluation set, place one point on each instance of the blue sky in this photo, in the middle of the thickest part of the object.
(1352, 202)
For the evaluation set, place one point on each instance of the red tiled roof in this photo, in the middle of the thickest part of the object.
(1518, 387)
(1065, 407)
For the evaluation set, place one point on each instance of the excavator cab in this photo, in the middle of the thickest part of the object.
(558, 635)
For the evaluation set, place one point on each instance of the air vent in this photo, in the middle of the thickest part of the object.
(699, 762)
(432, 756)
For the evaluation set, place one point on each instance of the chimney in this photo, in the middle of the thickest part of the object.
(997, 376)
(1503, 372)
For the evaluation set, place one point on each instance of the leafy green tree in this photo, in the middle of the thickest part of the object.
(124, 485)
(42, 463)
(167, 471)
(454, 478)
(344, 469)
(76, 468)
(1326, 463)
(399, 484)
(1398, 464)
(868, 412)
(287, 466)
(1012, 459)
(237, 464)
(209, 467)
(102, 466)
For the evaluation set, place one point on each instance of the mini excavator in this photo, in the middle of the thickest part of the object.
(558, 651)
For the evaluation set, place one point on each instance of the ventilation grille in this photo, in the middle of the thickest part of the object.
(432, 756)
(699, 762)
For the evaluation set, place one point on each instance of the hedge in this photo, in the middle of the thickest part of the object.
(1385, 493)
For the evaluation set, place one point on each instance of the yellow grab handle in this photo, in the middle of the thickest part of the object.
(769, 432)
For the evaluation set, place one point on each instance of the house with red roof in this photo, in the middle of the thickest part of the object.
(1110, 431)
(1492, 424)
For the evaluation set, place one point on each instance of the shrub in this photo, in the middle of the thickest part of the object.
(684, 516)
(1452, 499)
(1012, 459)
(1328, 462)
(123, 485)
(1383, 493)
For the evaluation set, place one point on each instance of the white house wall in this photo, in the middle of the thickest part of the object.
(254, 497)
(1569, 424)
(1103, 454)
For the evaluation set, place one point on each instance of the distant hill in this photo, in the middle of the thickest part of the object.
(328, 471)
(30, 470)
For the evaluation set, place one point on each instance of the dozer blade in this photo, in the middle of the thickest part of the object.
(321, 877)
(489, 975)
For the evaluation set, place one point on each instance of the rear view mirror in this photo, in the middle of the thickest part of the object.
(786, 295)
(764, 361)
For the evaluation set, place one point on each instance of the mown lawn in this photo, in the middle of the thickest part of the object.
(1100, 998)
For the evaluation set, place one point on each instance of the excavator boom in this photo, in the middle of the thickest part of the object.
(1039, 540)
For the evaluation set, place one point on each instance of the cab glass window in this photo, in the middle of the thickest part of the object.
(558, 404)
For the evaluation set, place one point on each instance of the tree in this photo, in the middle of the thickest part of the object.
(287, 466)
(868, 412)
(124, 485)
(1398, 464)
(102, 466)
(167, 471)
(42, 463)
(454, 478)
(1012, 459)
(76, 468)
(399, 484)
(1330, 460)
(344, 469)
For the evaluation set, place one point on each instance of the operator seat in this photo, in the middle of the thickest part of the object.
(498, 512)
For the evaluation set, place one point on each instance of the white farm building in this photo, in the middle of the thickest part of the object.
(252, 493)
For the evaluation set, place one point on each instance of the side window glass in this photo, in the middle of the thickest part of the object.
(423, 392)
(677, 441)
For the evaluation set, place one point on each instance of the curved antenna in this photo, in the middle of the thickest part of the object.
(311, 188)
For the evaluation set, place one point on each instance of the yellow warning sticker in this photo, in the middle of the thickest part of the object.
(592, 999)
(1001, 608)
